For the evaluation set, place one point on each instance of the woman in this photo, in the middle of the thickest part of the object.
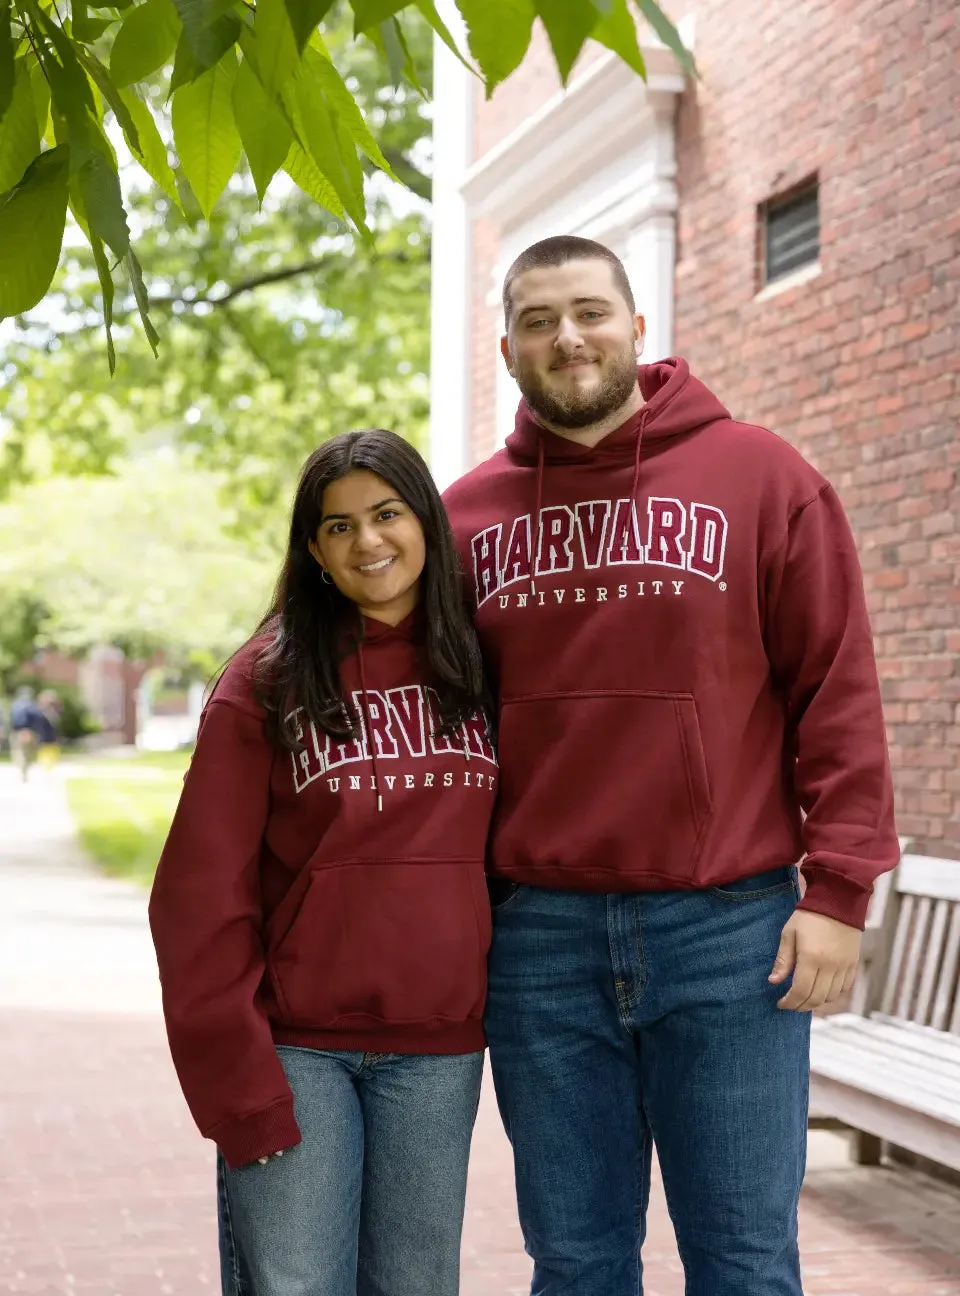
(320, 913)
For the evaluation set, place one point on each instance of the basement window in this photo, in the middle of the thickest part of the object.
(791, 233)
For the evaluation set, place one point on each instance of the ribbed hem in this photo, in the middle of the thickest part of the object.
(258, 1135)
(445, 1038)
(835, 896)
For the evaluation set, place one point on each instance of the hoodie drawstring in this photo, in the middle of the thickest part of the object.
(636, 458)
(371, 740)
(541, 455)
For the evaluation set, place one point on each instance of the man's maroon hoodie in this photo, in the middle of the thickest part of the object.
(290, 908)
(676, 625)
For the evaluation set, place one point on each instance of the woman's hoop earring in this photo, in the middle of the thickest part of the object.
(325, 576)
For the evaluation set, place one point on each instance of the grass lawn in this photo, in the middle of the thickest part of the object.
(123, 808)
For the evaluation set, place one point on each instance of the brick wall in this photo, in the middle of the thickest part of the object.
(860, 367)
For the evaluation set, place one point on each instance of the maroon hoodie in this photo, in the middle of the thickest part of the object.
(676, 626)
(289, 909)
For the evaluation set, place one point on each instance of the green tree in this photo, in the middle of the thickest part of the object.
(242, 77)
(280, 329)
(146, 559)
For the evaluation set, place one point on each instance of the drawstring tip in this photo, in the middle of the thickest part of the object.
(379, 802)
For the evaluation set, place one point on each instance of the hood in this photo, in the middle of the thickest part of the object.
(675, 403)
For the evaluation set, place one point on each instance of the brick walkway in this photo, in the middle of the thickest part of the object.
(105, 1188)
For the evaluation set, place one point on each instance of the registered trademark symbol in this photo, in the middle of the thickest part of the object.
(722, 585)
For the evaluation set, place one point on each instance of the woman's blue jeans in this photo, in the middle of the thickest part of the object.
(371, 1202)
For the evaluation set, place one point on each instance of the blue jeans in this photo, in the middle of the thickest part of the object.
(371, 1202)
(617, 1021)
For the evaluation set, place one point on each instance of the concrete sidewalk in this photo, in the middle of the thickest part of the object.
(106, 1188)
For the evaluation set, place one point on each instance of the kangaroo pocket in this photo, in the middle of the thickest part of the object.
(391, 943)
(607, 783)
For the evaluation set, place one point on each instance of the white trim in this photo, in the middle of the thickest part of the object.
(788, 281)
(450, 298)
(585, 126)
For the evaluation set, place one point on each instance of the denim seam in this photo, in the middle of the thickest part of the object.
(234, 1253)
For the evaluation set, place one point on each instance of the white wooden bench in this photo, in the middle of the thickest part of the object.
(890, 1068)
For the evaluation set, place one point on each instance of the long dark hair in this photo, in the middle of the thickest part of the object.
(312, 626)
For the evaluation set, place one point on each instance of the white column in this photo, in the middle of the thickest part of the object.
(649, 263)
(450, 313)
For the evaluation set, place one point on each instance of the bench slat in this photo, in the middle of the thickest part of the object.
(911, 971)
(874, 1069)
(845, 1065)
(904, 923)
(931, 961)
(924, 875)
(947, 985)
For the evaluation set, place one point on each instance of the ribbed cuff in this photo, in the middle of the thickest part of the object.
(835, 896)
(258, 1135)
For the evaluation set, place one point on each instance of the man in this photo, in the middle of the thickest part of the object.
(672, 610)
(30, 727)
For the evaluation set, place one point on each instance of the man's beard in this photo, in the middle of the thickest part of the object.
(579, 409)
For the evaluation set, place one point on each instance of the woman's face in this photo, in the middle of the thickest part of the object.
(371, 544)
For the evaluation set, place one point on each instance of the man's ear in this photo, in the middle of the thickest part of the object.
(639, 333)
(505, 352)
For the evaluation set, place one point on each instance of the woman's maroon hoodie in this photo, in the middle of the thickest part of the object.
(676, 625)
(289, 908)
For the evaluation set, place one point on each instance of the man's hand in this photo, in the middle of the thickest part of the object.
(822, 953)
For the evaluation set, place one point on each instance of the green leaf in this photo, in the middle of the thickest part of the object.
(106, 291)
(371, 13)
(264, 132)
(306, 175)
(208, 35)
(429, 11)
(6, 58)
(345, 106)
(498, 34)
(70, 90)
(41, 98)
(32, 217)
(618, 31)
(101, 79)
(567, 26)
(19, 133)
(99, 187)
(205, 133)
(387, 40)
(317, 128)
(142, 300)
(150, 148)
(145, 42)
(668, 33)
(305, 16)
(277, 53)
(82, 26)
(409, 68)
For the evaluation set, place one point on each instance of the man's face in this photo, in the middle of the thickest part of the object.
(572, 343)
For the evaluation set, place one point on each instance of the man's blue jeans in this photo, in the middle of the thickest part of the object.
(615, 1021)
(371, 1202)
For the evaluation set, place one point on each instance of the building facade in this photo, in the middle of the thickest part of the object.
(791, 224)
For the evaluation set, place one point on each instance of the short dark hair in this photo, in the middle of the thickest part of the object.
(557, 251)
(299, 665)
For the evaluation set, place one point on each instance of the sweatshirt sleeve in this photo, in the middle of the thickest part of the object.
(820, 648)
(205, 917)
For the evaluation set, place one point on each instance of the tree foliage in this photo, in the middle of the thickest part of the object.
(229, 78)
(280, 329)
(146, 559)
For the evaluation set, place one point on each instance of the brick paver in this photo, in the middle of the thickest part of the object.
(106, 1188)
